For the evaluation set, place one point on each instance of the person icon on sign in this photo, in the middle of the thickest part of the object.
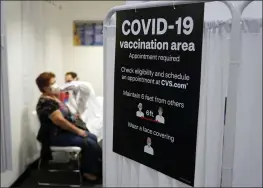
(148, 149)
(159, 118)
(139, 113)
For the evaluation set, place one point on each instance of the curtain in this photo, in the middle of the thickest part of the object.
(212, 96)
(247, 170)
(33, 62)
(33, 37)
(41, 51)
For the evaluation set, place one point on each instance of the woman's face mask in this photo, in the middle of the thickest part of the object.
(55, 89)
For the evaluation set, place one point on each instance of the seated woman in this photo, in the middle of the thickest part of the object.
(58, 127)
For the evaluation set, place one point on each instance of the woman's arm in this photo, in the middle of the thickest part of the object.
(58, 119)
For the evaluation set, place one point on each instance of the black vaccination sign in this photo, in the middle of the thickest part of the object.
(157, 86)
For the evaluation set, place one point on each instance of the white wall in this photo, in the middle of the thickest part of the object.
(86, 61)
(33, 46)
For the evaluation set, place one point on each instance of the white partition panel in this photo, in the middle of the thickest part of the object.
(247, 171)
(6, 144)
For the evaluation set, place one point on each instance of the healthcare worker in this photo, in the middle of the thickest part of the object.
(71, 76)
(83, 100)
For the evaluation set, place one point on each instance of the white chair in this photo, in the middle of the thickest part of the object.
(68, 149)
(51, 179)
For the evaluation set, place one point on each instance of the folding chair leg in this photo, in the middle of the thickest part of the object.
(76, 157)
(39, 163)
(80, 175)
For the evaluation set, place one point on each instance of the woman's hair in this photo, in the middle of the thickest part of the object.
(43, 80)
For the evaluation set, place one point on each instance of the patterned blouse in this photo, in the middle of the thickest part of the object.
(45, 107)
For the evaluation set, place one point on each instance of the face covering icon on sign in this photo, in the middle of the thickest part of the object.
(148, 148)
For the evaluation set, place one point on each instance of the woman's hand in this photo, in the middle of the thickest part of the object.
(58, 119)
(82, 133)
